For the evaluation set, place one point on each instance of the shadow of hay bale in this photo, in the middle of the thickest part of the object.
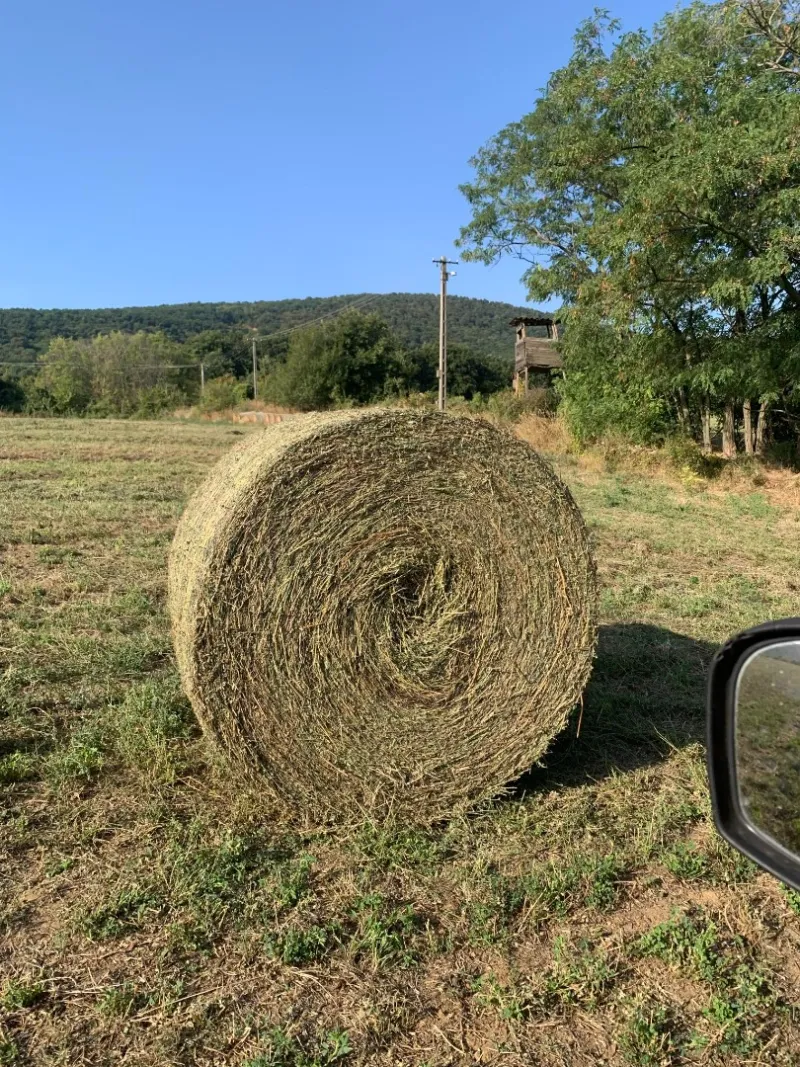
(646, 695)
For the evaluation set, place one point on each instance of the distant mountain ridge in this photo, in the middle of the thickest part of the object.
(481, 324)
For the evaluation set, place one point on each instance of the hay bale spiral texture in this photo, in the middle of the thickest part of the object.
(382, 611)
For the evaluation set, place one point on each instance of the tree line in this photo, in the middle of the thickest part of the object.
(25, 333)
(355, 358)
(655, 189)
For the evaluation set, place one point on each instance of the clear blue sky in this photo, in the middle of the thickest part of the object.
(168, 150)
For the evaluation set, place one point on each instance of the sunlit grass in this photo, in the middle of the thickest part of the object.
(153, 909)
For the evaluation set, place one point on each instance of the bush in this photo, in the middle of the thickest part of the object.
(223, 393)
(611, 385)
(416, 401)
(354, 360)
(38, 400)
(107, 375)
(784, 454)
(102, 408)
(686, 455)
(158, 399)
(12, 396)
(472, 374)
(509, 406)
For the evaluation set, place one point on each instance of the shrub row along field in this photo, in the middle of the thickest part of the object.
(356, 358)
(153, 912)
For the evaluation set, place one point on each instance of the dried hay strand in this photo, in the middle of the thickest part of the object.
(382, 612)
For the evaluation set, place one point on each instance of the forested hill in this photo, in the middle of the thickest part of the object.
(482, 324)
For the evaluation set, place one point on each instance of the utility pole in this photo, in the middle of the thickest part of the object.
(255, 370)
(444, 263)
(202, 378)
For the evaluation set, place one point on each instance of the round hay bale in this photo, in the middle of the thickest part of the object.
(383, 612)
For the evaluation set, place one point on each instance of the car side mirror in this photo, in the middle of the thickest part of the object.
(754, 746)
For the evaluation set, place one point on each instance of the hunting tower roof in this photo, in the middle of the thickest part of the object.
(534, 320)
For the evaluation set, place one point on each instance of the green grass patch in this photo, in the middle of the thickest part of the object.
(648, 1037)
(385, 934)
(146, 732)
(300, 946)
(581, 975)
(743, 1004)
(118, 1002)
(511, 1003)
(125, 911)
(18, 766)
(387, 848)
(9, 1052)
(283, 1050)
(21, 993)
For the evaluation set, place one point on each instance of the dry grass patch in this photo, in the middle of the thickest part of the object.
(152, 911)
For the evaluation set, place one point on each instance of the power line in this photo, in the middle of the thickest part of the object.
(135, 366)
(355, 305)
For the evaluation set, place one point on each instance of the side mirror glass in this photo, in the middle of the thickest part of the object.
(754, 745)
(767, 741)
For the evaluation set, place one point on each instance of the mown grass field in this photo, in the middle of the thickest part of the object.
(153, 912)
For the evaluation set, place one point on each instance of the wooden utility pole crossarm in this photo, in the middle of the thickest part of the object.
(444, 263)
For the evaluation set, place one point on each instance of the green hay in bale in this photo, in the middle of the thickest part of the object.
(383, 612)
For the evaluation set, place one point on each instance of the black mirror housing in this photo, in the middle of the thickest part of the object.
(730, 817)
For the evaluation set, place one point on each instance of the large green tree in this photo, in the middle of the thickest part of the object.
(655, 188)
(351, 359)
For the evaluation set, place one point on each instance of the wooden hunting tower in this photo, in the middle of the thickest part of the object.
(535, 354)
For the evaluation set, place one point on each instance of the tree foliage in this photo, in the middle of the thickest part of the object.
(352, 359)
(222, 352)
(222, 393)
(227, 328)
(469, 373)
(655, 187)
(116, 373)
(12, 395)
(605, 391)
(357, 359)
